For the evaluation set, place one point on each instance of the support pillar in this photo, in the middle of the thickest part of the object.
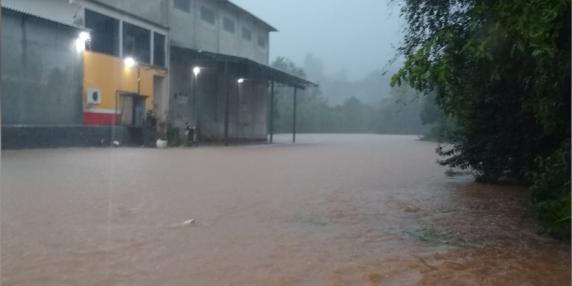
(271, 119)
(227, 103)
(294, 107)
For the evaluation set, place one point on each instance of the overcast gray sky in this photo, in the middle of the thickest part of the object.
(357, 36)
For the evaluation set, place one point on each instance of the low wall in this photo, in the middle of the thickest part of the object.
(28, 137)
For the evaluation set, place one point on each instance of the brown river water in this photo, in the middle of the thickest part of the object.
(331, 210)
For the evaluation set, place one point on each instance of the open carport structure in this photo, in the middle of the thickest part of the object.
(228, 98)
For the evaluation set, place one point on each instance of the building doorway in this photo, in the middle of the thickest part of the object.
(132, 109)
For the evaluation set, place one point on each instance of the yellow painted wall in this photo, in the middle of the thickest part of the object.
(109, 75)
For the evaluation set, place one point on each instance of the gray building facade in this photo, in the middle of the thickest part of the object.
(41, 84)
(41, 72)
(221, 100)
(215, 74)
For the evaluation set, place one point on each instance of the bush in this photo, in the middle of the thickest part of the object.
(501, 69)
(551, 191)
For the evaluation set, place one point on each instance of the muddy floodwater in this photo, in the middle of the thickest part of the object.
(331, 210)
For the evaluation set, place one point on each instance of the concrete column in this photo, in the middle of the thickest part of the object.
(227, 103)
(271, 119)
(294, 107)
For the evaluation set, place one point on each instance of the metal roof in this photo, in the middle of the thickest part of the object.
(253, 68)
(257, 19)
(7, 6)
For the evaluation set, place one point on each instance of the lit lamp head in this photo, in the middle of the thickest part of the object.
(196, 71)
(81, 41)
(240, 80)
(84, 36)
(129, 62)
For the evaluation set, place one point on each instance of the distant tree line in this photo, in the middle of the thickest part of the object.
(397, 113)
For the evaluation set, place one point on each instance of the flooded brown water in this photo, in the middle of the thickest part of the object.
(332, 210)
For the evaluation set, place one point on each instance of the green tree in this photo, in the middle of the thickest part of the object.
(501, 69)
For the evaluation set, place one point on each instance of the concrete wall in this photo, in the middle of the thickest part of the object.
(181, 90)
(151, 15)
(109, 75)
(41, 72)
(248, 102)
(73, 136)
(182, 26)
(189, 31)
(61, 11)
(248, 105)
(153, 10)
(253, 99)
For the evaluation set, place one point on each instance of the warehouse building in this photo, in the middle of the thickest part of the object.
(89, 72)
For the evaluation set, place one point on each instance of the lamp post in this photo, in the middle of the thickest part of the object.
(239, 81)
(130, 63)
(196, 72)
(82, 39)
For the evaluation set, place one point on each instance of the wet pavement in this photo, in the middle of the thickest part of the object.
(331, 210)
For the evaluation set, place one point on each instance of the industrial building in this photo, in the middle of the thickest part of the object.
(88, 72)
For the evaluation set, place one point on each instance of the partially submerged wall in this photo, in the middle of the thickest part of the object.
(72, 136)
(204, 105)
(41, 72)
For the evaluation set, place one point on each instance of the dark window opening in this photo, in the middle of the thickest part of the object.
(208, 15)
(228, 25)
(159, 50)
(137, 43)
(104, 33)
(247, 34)
(262, 40)
(183, 5)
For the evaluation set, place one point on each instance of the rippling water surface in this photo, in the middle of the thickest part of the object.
(332, 210)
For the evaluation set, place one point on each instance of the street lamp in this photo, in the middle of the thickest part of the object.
(81, 41)
(130, 62)
(240, 80)
(196, 71)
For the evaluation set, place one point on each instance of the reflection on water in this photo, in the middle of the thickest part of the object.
(334, 210)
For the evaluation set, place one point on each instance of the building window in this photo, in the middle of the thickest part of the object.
(208, 15)
(183, 5)
(262, 40)
(246, 34)
(159, 50)
(228, 25)
(104, 33)
(137, 43)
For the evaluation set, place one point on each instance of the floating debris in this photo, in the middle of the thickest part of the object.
(189, 222)
(186, 223)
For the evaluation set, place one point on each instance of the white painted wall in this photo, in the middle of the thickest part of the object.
(188, 30)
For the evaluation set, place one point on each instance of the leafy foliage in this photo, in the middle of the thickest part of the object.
(551, 191)
(501, 69)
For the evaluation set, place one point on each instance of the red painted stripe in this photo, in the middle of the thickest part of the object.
(93, 118)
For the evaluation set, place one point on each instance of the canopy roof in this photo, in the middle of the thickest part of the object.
(253, 68)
